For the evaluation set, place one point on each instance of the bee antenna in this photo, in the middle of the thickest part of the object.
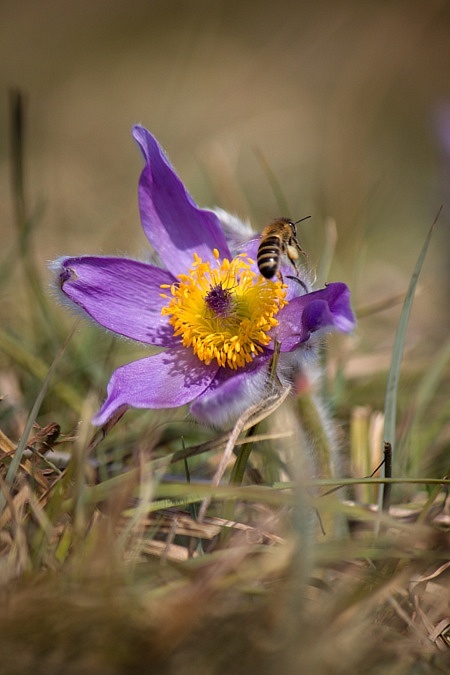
(301, 220)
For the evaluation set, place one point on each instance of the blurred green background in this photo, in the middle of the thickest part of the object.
(343, 104)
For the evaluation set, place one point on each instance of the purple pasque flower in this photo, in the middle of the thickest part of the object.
(218, 319)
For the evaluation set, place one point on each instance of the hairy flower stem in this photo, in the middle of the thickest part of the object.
(313, 426)
(320, 446)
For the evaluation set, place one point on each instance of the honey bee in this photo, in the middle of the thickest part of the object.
(278, 238)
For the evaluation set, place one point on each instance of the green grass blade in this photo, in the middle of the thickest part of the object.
(390, 404)
(426, 390)
(34, 365)
(15, 462)
(273, 181)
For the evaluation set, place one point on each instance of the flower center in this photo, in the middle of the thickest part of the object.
(224, 313)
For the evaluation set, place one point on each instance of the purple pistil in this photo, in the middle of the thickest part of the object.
(219, 300)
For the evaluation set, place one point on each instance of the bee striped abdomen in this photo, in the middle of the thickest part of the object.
(269, 253)
(277, 239)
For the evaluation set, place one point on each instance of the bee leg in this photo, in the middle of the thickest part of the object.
(297, 244)
(299, 281)
(294, 265)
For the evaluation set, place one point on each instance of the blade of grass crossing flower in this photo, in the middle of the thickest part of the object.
(390, 404)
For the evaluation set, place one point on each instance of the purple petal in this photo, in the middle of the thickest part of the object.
(174, 225)
(231, 393)
(324, 310)
(122, 295)
(166, 380)
(251, 248)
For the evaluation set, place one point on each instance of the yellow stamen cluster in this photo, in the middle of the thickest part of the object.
(224, 313)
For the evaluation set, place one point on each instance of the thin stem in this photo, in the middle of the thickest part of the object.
(243, 455)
